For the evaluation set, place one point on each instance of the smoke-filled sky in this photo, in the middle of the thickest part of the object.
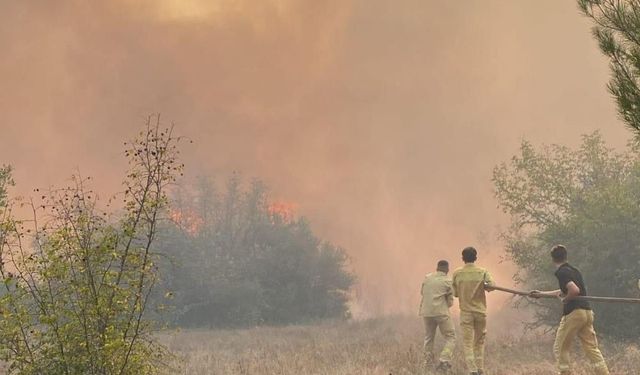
(381, 120)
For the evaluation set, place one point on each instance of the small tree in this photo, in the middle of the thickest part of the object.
(77, 280)
(617, 29)
(588, 200)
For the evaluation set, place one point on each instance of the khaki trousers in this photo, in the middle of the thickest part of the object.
(579, 323)
(444, 323)
(474, 332)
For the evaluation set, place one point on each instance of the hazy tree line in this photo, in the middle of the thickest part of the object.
(233, 258)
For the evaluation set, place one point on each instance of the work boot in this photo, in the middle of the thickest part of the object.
(428, 359)
(601, 370)
(480, 372)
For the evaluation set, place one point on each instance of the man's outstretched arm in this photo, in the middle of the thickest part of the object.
(488, 282)
(540, 293)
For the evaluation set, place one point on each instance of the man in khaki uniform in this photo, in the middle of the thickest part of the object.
(577, 317)
(469, 285)
(437, 298)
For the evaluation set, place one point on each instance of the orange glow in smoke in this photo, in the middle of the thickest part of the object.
(187, 220)
(191, 222)
(284, 210)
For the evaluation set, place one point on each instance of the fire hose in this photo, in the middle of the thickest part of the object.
(579, 298)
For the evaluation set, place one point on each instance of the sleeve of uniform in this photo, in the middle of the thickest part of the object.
(488, 279)
(449, 285)
(564, 278)
(454, 285)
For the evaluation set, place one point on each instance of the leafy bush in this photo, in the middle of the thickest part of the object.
(238, 260)
(76, 279)
(587, 199)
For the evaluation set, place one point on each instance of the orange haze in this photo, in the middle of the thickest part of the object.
(381, 120)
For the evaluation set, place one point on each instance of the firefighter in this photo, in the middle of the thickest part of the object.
(577, 316)
(437, 298)
(469, 284)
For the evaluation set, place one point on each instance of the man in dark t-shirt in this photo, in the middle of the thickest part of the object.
(566, 274)
(577, 317)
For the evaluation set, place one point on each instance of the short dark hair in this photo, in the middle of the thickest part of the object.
(559, 253)
(469, 254)
(443, 264)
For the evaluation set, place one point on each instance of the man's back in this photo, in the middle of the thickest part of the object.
(437, 295)
(565, 274)
(468, 286)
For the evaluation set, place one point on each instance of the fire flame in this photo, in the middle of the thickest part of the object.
(285, 211)
(187, 220)
(191, 222)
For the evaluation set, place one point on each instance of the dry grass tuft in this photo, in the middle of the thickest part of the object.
(375, 347)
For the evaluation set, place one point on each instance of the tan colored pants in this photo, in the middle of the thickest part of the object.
(444, 323)
(474, 332)
(579, 323)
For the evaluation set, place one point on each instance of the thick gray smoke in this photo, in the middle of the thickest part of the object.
(380, 121)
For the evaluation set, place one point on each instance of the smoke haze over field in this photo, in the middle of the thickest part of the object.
(381, 121)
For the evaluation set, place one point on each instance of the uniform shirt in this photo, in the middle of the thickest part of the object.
(468, 286)
(565, 274)
(437, 295)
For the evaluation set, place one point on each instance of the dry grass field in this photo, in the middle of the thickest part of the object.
(380, 346)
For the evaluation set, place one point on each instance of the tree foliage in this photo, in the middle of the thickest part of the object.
(617, 30)
(5, 182)
(237, 260)
(76, 279)
(586, 199)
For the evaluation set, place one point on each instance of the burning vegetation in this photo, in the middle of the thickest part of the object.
(237, 258)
